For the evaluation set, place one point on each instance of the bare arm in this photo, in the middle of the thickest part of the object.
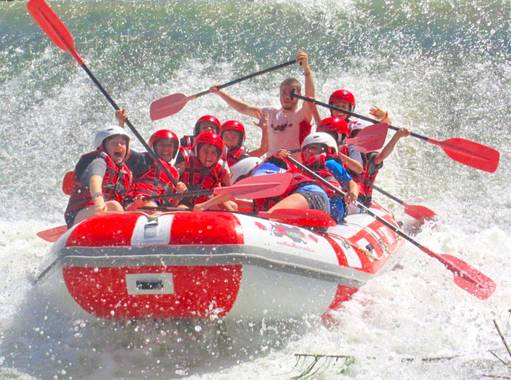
(351, 164)
(216, 200)
(96, 192)
(308, 107)
(352, 194)
(316, 115)
(237, 104)
(263, 148)
(387, 150)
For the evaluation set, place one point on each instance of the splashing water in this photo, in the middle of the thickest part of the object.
(440, 68)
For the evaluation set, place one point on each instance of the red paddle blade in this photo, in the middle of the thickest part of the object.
(53, 234)
(370, 138)
(419, 212)
(168, 105)
(302, 218)
(470, 153)
(68, 182)
(265, 186)
(469, 278)
(53, 27)
(465, 276)
(250, 191)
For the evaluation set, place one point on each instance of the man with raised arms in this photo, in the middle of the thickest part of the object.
(288, 125)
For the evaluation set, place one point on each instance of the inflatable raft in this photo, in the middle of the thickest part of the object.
(216, 265)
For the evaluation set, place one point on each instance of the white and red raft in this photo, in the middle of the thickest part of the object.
(215, 265)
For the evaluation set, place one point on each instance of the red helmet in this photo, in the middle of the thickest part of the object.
(343, 96)
(164, 134)
(207, 119)
(234, 125)
(208, 138)
(334, 124)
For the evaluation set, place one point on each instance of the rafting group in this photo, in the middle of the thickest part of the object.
(115, 178)
(294, 169)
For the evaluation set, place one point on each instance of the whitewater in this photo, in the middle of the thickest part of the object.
(440, 68)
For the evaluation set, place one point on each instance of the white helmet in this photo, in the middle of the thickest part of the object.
(244, 167)
(320, 138)
(358, 124)
(109, 131)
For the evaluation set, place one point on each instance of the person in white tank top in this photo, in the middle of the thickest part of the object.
(286, 126)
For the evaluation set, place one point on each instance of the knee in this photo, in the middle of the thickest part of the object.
(114, 206)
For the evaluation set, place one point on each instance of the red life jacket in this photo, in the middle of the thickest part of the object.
(368, 177)
(186, 142)
(182, 155)
(317, 165)
(155, 182)
(298, 179)
(305, 130)
(198, 177)
(116, 183)
(233, 156)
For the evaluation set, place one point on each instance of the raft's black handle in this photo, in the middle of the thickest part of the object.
(149, 284)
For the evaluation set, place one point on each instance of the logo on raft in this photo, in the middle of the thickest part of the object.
(293, 233)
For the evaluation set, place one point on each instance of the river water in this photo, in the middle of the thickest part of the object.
(440, 68)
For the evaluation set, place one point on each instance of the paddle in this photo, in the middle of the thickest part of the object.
(465, 276)
(53, 234)
(418, 212)
(465, 151)
(370, 138)
(251, 188)
(171, 104)
(60, 36)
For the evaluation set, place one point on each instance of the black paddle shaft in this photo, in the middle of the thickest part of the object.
(276, 67)
(393, 197)
(186, 194)
(312, 100)
(132, 128)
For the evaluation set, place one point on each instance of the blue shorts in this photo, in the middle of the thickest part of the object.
(315, 196)
(338, 209)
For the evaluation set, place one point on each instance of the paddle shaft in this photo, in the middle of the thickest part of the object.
(394, 198)
(186, 194)
(415, 211)
(467, 152)
(312, 100)
(57, 32)
(128, 123)
(271, 185)
(276, 67)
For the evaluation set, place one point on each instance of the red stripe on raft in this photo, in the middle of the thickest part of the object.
(339, 252)
(343, 294)
(104, 231)
(206, 228)
(199, 292)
